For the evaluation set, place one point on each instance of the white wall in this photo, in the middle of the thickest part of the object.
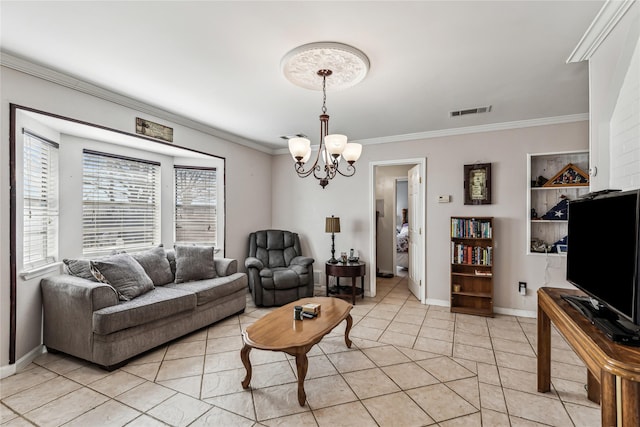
(609, 66)
(304, 204)
(247, 181)
(625, 130)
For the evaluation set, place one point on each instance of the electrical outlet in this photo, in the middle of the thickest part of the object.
(522, 288)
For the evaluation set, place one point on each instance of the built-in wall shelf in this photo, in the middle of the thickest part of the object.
(541, 199)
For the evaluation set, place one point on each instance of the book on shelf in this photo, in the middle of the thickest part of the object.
(472, 255)
(470, 228)
(483, 273)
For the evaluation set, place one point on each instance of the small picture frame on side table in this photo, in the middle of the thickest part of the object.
(477, 184)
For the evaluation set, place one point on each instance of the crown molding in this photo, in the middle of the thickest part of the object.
(48, 74)
(466, 130)
(606, 19)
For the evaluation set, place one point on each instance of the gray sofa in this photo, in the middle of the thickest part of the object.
(96, 322)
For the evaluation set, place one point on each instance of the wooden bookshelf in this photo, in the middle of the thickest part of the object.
(472, 260)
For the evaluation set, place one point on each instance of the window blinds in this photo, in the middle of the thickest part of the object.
(40, 217)
(120, 203)
(196, 207)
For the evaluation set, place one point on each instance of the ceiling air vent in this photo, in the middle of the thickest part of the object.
(297, 135)
(468, 111)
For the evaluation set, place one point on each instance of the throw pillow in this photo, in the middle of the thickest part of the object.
(156, 265)
(79, 268)
(194, 263)
(124, 273)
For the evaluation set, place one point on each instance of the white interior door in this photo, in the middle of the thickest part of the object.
(415, 202)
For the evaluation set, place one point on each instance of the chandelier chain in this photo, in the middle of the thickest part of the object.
(324, 94)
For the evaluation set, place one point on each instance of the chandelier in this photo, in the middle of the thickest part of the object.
(305, 66)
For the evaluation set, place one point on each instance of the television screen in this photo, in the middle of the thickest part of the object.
(602, 256)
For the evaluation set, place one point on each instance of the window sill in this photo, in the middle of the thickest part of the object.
(39, 271)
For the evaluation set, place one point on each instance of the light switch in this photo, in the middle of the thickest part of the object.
(444, 199)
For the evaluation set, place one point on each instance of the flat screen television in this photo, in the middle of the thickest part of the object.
(603, 253)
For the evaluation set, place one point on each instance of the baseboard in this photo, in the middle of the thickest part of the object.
(8, 370)
(316, 276)
(440, 302)
(499, 310)
(515, 312)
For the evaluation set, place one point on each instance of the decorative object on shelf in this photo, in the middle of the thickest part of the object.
(353, 256)
(560, 246)
(332, 225)
(559, 211)
(539, 182)
(534, 214)
(477, 184)
(539, 246)
(569, 175)
(343, 257)
(346, 66)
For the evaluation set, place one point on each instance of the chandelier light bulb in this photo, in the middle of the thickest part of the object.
(299, 148)
(352, 152)
(335, 144)
(330, 160)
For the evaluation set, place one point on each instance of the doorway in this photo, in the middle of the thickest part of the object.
(384, 233)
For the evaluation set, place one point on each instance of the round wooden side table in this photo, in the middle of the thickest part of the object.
(350, 269)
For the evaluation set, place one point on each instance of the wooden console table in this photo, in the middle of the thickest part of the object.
(350, 269)
(613, 377)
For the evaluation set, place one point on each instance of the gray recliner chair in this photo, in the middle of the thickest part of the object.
(278, 273)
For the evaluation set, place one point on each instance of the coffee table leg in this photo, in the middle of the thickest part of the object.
(347, 341)
(302, 363)
(244, 355)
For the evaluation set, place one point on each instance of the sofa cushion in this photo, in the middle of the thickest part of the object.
(124, 273)
(194, 263)
(79, 268)
(171, 256)
(157, 304)
(156, 265)
(213, 289)
(279, 278)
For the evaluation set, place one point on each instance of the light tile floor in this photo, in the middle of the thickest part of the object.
(410, 365)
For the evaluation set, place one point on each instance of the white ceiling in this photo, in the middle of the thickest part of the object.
(218, 62)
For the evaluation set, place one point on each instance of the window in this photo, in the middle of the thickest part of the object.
(40, 217)
(120, 203)
(196, 205)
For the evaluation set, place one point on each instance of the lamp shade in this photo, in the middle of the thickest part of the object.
(332, 224)
(335, 144)
(299, 148)
(352, 152)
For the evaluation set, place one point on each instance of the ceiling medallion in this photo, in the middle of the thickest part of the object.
(301, 65)
(319, 66)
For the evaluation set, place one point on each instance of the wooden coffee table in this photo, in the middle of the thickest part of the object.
(278, 331)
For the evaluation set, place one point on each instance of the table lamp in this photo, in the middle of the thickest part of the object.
(332, 225)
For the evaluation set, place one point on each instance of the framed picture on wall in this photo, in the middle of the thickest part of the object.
(477, 184)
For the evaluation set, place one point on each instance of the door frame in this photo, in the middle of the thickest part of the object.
(422, 163)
